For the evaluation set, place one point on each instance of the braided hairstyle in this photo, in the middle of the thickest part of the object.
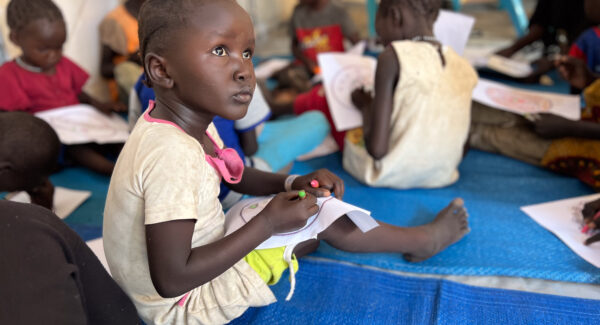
(20, 13)
(428, 8)
(158, 20)
(29, 142)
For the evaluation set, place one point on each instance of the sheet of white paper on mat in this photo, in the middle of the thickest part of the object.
(519, 101)
(563, 218)
(509, 67)
(82, 123)
(65, 200)
(266, 69)
(342, 73)
(330, 209)
(453, 29)
(97, 246)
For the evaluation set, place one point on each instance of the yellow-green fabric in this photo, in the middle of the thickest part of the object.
(269, 263)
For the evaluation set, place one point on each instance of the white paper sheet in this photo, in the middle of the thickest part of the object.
(563, 218)
(453, 29)
(524, 102)
(84, 124)
(97, 246)
(358, 48)
(342, 73)
(266, 69)
(65, 200)
(330, 209)
(509, 67)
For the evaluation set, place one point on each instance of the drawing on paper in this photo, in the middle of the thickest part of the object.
(525, 103)
(348, 79)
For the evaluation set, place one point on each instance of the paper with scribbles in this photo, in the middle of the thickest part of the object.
(330, 209)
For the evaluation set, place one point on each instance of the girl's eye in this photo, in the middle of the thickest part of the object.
(247, 54)
(219, 51)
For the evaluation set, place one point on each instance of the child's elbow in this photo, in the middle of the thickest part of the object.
(167, 287)
(166, 290)
(377, 153)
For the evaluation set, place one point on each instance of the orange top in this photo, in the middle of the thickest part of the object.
(119, 31)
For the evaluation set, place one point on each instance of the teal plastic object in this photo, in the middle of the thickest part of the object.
(514, 8)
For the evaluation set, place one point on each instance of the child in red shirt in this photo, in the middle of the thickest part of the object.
(42, 78)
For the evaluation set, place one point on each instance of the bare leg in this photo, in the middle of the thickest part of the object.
(86, 156)
(416, 243)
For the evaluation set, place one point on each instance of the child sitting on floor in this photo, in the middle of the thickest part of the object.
(163, 223)
(316, 26)
(415, 128)
(562, 145)
(51, 268)
(120, 45)
(565, 146)
(29, 150)
(587, 46)
(42, 78)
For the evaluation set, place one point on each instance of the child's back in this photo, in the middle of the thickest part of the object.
(429, 122)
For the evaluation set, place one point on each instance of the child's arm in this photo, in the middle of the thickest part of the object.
(256, 182)
(106, 108)
(552, 126)
(377, 113)
(535, 33)
(176, 268)
(107, 67)
(248, 142)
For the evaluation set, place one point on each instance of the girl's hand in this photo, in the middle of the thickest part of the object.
(361, 98)
(575, 71)
(328, 183)
(43, 194)
(589, 211)
(287, 212)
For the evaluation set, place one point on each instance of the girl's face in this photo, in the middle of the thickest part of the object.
(41, 42)
(211, 61)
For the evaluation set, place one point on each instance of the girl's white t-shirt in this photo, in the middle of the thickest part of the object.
(162, 175)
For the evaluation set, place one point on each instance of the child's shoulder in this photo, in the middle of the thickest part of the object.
(8, 68)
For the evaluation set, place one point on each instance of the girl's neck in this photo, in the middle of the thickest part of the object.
(319, 5)
(32, 68)
(191, 122)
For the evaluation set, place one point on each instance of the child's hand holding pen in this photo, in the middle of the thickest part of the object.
(591, 220)
(320, 183)
(288, 211)
(362, 98)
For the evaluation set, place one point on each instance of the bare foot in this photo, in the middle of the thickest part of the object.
(449, 226)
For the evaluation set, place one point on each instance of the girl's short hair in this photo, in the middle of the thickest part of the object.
(427, 8)
(20, 13)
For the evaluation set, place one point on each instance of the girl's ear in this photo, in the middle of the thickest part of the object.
(396, 14)
(14, 37)
(157, 71)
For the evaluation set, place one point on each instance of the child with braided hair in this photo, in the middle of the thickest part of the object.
(42, 78)
(416, 125)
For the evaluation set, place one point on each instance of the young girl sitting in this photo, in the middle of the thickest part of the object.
(163, 223)
(416, 126)
(42, 78)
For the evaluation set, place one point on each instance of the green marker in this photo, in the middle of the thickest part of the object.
(301, 194)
